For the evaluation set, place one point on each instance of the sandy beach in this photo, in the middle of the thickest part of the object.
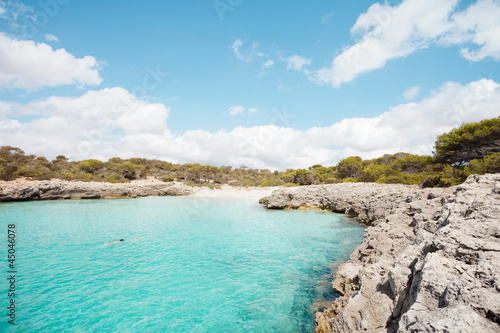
(254, 193)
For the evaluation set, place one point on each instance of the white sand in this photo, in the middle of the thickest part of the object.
(227, 191)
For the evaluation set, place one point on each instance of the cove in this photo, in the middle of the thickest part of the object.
(186, 265)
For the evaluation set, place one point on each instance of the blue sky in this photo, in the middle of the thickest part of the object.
(335, 67)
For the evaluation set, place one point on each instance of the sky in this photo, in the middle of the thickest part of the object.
(267, 84)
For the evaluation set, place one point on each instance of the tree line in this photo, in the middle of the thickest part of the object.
(472, 148)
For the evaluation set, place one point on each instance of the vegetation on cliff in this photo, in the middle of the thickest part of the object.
(471, 148)
(468, 142)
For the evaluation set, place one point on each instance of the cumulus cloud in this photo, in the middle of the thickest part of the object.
(29, 65)
(479, 24)
(51, 38)
(112, 122)
(81, 127)
(240, 109)
(411, 93)
(413, 127)
(296, 62)
(387, 32)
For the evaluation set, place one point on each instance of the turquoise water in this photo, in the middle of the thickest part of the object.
(187, 265)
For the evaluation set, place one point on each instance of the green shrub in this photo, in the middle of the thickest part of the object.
(431, 181)
(168, 178)
(85, 177)
(469, 142)
(489, 164)
(332, 181)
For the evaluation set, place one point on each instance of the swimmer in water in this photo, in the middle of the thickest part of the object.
(120, 241)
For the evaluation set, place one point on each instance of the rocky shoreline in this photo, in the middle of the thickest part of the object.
(429, 261)
(23, 190)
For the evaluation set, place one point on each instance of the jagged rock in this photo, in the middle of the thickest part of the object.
(429, 261)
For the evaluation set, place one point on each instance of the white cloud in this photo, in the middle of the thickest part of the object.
(326, 18)
(283, 87)
(92, 124)
(30, 65)
(240, 109)
(479, 24)
(51, 38)
(237, 109)
(387, 32)
(12, 10)
(236, 49)
(268, 64)
(411, 93)
(247, 54)
(112, 122)
(296, 62)
(413, 127)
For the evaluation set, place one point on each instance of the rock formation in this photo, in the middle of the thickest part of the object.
(429, 261)
(59, 189)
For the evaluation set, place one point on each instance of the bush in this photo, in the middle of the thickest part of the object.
(168, 179)
(431, 181)
(489, 164)
(91, 166)
(116, 178)
(332, 181)
(85, 177)
(265, 183)
(469, 142)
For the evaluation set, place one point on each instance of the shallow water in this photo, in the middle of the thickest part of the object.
(187, 265)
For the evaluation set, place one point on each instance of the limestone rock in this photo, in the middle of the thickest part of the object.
(59, 189)
(429, 261)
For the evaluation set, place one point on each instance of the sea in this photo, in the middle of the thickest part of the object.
(186, 265)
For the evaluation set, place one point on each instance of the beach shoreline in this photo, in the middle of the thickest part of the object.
(23, 189)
